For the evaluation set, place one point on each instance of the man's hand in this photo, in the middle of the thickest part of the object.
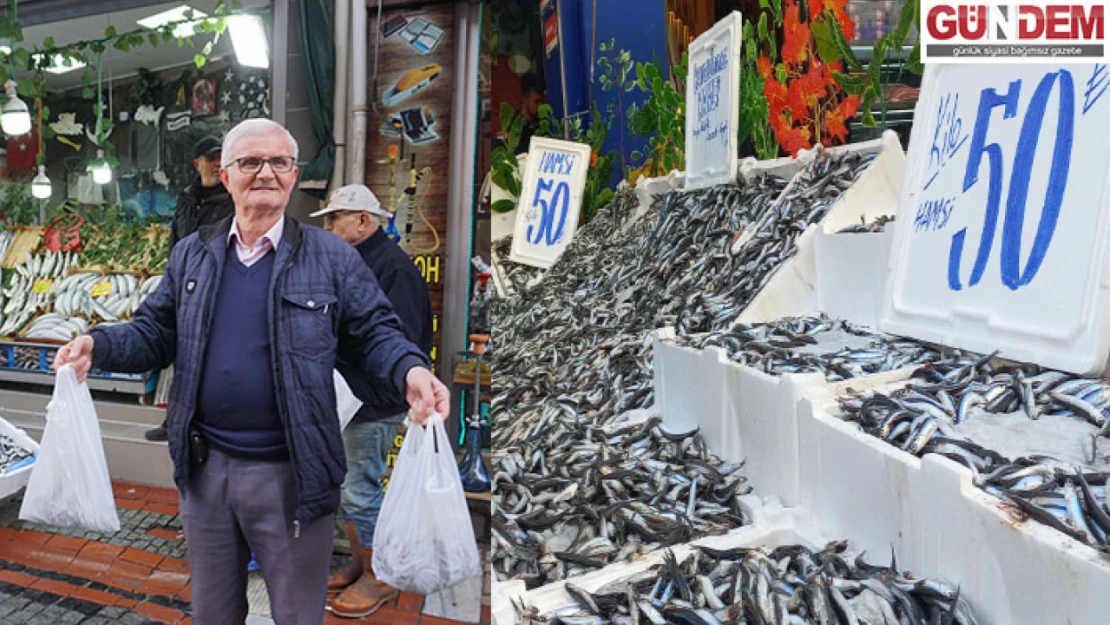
(426, 394)
(78, 353)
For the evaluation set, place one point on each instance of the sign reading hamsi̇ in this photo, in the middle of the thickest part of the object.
(550, 200)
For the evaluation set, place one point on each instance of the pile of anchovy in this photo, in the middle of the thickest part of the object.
(772, 348)
(786, 586)
(575, 355)
(921, 418)
(11, 453)
(876, 226)
(518, 275)
(617, 491)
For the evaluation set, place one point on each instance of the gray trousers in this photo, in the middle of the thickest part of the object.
(233, 507)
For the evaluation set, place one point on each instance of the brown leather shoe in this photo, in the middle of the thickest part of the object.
(349, 574)
(365, 596)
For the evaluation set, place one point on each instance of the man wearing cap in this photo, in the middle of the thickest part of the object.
(352, 214)
(202, 203)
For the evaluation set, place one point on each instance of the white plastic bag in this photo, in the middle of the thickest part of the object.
(69, 484)
(346, 404)
(424, 540)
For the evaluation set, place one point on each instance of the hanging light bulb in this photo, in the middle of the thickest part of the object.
(14, 117)
(99, 168)
(40, 186)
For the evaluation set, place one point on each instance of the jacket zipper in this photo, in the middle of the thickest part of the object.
(205, 319)
(283, 404)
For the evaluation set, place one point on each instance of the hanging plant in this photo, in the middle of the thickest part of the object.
(805, 103)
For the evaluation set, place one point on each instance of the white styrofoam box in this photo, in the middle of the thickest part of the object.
(792, 290)
(14, 481)
(1037, 286)
(773, 526)
(504, 593)
(500, 282)
(851, 274)
(741, 412)
(689, 392)
(941, 525)
(877, 191)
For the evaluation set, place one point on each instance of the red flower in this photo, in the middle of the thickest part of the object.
(765, 68)
(796, 35)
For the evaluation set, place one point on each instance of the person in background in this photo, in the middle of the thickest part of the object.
(352, 214)
(532, 98)
(254, 311)
(202, 203)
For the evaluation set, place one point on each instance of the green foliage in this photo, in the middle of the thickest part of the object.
(661, 119)
(17, 205)
(754, 112)
(867, 82)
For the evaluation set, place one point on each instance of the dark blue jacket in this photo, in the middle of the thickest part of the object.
(323, 301)
(407, 291)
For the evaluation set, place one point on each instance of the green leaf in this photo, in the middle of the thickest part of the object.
(914, 63)
(503, 206)
(21, 58)
(505, 115)
(875, 65)
(45, 112)
(167, 35)
(826, 45)
(842, 43)
(48, 43)
(867, 116)
(905, 22)
(89, 92)
(110, 32)
(27, 88)
(636, 155)
(776, 6)
(200, 60)
(154, 39)
(651, 72)
(762, 28)
(122, 44)
(852, 85)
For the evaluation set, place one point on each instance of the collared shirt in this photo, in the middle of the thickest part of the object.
(269, 241)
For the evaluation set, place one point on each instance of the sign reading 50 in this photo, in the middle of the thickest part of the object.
(553, 201)
(1015, 273)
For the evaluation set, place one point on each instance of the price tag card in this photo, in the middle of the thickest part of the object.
(550, 200)
(42, 285)
(712, 107)
(1002, 224)
(101, 288)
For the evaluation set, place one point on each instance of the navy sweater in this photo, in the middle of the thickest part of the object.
(238, 408)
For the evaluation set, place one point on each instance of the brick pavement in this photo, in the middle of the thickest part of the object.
(137, 576)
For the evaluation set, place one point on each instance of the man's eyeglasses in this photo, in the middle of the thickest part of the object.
(253, 164)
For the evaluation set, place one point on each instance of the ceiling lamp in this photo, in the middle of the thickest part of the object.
(14, 116)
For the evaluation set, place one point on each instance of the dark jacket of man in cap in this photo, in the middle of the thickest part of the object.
(205, 201)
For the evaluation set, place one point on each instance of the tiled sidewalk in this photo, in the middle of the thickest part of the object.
(137, 576)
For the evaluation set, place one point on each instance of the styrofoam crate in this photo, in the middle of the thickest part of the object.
(792, 290)
(742, 413)
(774, 526)
(941, 525)
(14, 481)
(851, 274)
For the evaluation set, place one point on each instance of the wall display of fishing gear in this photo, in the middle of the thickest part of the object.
(767, 456)
(47, 298)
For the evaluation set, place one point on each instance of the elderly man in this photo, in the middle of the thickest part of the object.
(352, 213)
(253, 312)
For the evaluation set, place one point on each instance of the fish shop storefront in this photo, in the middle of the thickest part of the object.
(855, 384)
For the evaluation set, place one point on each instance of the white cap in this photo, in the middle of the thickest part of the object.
(353, 197)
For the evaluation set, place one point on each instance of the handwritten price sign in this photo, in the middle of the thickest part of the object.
(712, 110)
(550, 200)
(1002, 224)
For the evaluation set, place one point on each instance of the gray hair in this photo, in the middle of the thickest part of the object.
(253, 128)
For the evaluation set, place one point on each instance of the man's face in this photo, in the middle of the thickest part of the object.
(531, 105)
(209, 169)
(351, 226)
(264, 189)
